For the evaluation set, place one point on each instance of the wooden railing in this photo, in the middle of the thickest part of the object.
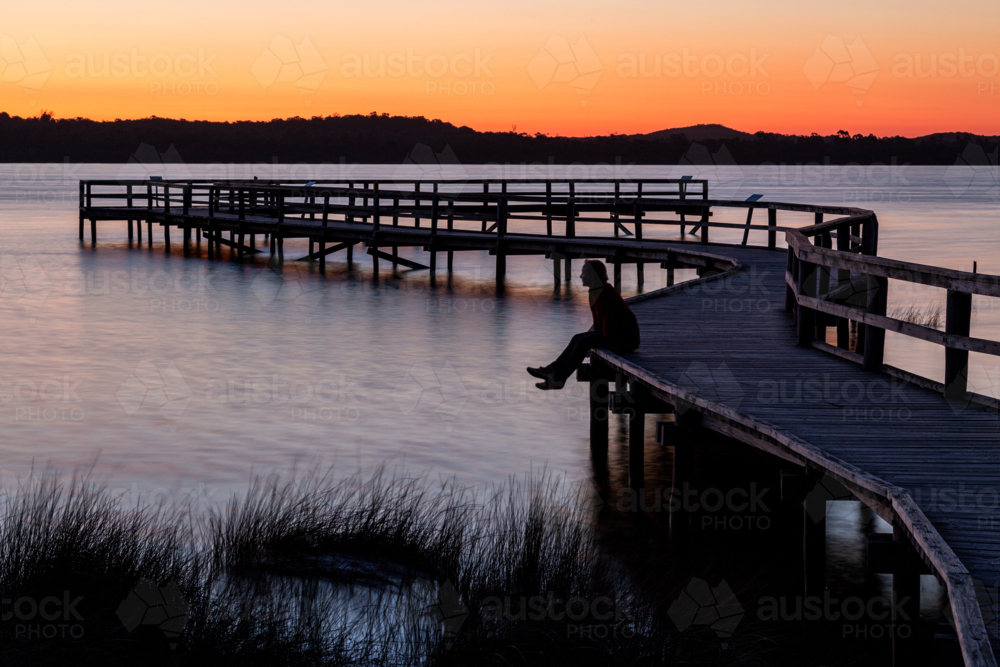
(851, 284)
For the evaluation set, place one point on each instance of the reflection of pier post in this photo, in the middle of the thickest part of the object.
(686, 422)
(893, 554)
(637, 450)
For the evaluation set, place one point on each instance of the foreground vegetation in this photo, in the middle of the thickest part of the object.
(310, 572)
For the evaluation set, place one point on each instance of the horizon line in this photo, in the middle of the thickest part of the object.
(439, 120)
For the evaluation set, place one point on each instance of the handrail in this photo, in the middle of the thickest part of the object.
(810, 265)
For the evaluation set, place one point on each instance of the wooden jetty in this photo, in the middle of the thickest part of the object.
(816, 313)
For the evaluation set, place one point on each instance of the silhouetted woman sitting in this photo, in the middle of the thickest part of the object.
(615, 328)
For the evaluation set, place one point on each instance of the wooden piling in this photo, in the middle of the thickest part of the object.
(599, 415)
(814, 509)
(501, 232)
(904, 621)
(637, 449)
(686, 423)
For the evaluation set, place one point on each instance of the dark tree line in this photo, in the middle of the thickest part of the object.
(391, 139)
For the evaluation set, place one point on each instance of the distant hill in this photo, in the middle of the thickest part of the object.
(384, 139)
(709, 132)
(953, 137)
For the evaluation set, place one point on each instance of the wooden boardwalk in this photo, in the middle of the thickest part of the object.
(723, 352)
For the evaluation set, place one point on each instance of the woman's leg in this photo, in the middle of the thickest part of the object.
(571, 359)
(565, 353)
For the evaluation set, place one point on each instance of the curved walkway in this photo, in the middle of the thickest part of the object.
(726, 346)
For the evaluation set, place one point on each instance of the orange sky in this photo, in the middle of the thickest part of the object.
(571, 68)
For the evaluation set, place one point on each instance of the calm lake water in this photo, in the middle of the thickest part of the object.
(189, 375)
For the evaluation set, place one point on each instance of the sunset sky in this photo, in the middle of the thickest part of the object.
(571, 68)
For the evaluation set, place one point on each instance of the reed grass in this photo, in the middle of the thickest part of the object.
(927, 316)
(377, 570)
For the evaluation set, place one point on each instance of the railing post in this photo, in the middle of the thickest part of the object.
(486, 205)
(416, 204)
(242, 219)
(806, 316)
(878, 288)
(704, 214)
(843, 277)
(82, 204)
(376, 223)
(772, 221)
(571, 212)
(869, 236)
(824, 287)
(166, 217)
(548, 209)
(614, 213)
(958, 319)
(322, 234)
(434, 227)
(129, 204)
(149, 214)
(185, 214)
(281, 221)
(451, 225)
(501, 232)
(682, 195)
(639, 269)
(790, 269)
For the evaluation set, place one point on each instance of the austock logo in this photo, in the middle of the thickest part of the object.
(700, 604)
(714, 384)
(282, 61)
(826, 488)
(151, 388)
(836, 62)
(23, 283)
(449, 611)
(560, 62)
(426, 164)
(425, 388)
(719, 168)
(162, 607)
(146, 161)
(23, 64)
(975, 172)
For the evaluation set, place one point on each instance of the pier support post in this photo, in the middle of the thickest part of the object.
(149, 233)
(166, 236)
(636, 415)
(906, 601)
(814, 532)
(686, 422)
(130, 229)
(598, 413)
(93, 230)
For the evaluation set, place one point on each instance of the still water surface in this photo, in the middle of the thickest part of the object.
(189, 375)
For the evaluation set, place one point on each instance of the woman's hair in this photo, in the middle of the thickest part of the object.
(598, 267)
